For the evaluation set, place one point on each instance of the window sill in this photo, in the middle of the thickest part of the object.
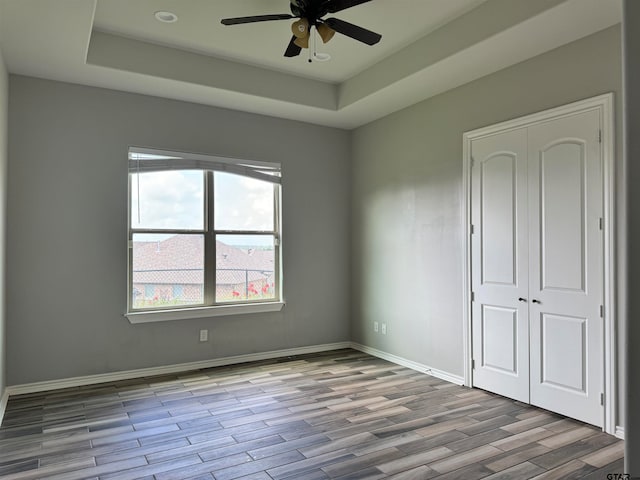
(203, 312)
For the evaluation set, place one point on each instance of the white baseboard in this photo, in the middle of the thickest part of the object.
(409, 364)
(167, 369)
(3, 405)
(619, 432)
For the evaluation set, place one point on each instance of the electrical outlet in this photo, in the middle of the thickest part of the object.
(375, 327)
(384, 328)
(204, 335)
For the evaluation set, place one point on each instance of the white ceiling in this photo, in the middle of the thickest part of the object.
(262, 44)
(427, 47)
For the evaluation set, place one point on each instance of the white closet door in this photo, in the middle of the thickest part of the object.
(566, 266)
(500, 329)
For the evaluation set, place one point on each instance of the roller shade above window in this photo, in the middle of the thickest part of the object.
(144, 160)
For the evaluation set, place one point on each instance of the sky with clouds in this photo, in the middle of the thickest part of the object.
(174, 200)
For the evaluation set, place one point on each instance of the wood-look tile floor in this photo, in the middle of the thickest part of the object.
(338, 415)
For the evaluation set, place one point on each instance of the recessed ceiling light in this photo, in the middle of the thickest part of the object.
(166, 17)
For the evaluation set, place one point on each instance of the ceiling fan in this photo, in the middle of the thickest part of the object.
(309, 14)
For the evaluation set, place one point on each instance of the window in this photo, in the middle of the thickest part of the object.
(204, 233)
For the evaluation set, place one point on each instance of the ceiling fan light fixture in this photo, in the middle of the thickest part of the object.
(300, 28)
(326, 33)
(302, 42)
(165, 16)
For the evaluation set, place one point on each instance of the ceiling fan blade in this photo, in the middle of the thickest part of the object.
(292, 50)
(350, 30)
(256, 18)
(334, 6)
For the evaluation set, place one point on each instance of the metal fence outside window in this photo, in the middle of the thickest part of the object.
(185, 286)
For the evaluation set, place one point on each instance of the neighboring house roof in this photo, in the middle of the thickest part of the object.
(180, 260)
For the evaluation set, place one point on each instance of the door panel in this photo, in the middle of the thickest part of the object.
(499, 264)
(498, 211)
(562, 205)
(566, 266)
(500, 339)
(563, 364)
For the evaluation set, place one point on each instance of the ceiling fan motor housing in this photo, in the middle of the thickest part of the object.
(310, 9)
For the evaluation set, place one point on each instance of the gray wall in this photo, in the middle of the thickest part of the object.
(631, 39)
(407, 191)
(67, 231)
(4, 124)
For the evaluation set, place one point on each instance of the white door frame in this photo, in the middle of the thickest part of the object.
(604, 105)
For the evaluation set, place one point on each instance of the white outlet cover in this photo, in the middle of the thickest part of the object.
(384, 328)
(204, 335)
(375, 327)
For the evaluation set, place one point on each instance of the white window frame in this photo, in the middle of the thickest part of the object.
(163, 160)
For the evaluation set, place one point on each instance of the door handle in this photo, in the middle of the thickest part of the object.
(536, 301)
(522, 299)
